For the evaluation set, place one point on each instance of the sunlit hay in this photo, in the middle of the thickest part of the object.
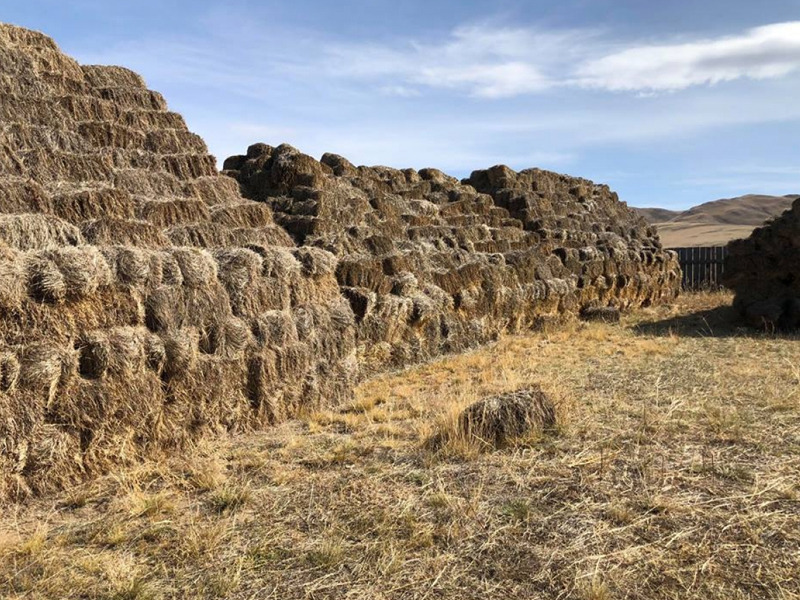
(166, 213)
(37, 232)
(123, 232)
(242, 214)
(9, 372)
(132, 266)
(101, 76)
(83, 205)
(227, 338)
(12, 278)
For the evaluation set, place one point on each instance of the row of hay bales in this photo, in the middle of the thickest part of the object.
(763, 272)
(433, 265)
(143, 301)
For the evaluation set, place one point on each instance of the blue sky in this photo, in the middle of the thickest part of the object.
(671, 103)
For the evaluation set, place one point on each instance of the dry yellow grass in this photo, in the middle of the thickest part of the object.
(673, 473)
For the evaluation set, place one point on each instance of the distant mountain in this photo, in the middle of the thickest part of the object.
(718, 222)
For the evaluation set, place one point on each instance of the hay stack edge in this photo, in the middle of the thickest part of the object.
(146, 303)
(762, 270)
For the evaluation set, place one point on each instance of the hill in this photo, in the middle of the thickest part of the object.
(718, 222)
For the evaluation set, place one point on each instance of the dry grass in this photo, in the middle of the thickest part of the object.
(673, 473)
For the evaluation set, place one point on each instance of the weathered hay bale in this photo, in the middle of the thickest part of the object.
(275, 328)
(12, 278)
(46, 282)
(499, 420)
(131, 266)
(83, 269)
(603, 314)
(198, 267)
(44, 368)
(37, 232)
(84, 205)
(124, 232)
(102, 76)
(180, 353)
(227, 338)
(243, 214)
(166, 213)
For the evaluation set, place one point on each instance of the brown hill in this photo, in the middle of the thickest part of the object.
(718, 222)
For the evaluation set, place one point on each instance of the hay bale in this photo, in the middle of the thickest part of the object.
(12, 278)
(130, 266)
(83, 270)
(124, 232)
(227, 338)
(602, 314)
(180, 354)
(46, 283)
(198, 267)
(27, 232)
(499, 420)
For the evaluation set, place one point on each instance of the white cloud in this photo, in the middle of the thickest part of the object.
(761, 53)
(497, 62)
(480, 60)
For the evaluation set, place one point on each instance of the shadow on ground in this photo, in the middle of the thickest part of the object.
(720, 321)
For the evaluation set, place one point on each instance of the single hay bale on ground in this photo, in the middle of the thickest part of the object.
(499, 420)
(602, 314)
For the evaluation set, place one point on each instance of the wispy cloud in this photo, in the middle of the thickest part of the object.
(482, 60)
(488, 61)
(761, 53)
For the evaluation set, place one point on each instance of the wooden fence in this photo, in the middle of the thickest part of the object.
(702, 267)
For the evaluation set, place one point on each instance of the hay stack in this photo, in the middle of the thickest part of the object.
(763, 272)
(499, 420)
(144, 302)
(132, 317)
(432, 265)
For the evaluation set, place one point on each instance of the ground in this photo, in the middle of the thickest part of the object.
(674, 472)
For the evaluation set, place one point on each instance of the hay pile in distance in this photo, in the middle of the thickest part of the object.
(432, 265)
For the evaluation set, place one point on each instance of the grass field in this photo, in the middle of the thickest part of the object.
(674, 472)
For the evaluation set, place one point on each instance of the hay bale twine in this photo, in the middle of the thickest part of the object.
(499, 420)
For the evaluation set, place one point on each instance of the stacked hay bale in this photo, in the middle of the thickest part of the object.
(763, 270)
(143, 301)
(433, 265)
